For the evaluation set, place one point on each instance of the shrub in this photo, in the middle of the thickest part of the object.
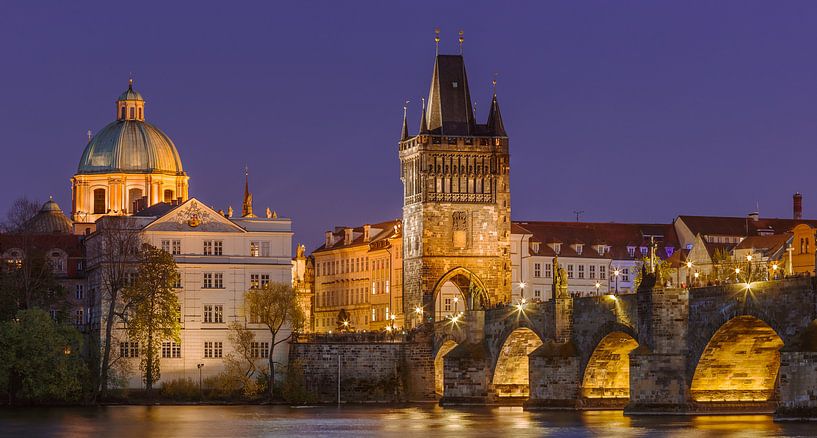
(294, 389)
(181, 389)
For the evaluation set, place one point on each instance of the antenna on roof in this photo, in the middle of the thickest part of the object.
(578, 213)
(461, 40)
(436, 41)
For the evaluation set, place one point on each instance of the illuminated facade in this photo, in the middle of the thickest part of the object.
(359, 271)
(219, 259)
(126, 162)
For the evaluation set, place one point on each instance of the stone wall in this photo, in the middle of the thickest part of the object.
(369, 371)
(798, 384)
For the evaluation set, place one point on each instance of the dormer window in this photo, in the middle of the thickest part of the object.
(579, 247)
(534, 246)
(557, 247)
(644, 250)
(631, 251)
(669, 250)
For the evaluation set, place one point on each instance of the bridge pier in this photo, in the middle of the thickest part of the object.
(554, 376)
(467, 368)
(798, 377)
(658, 367)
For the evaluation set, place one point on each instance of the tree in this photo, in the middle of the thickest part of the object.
(240, 369)
(112, 253)
(21, 211)
(274, 305)
(153, 308)
(40, 359)
(662, 268)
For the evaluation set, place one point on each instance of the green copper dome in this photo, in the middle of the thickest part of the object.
(130, 146)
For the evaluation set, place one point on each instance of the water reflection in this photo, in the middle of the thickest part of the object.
(429, 420)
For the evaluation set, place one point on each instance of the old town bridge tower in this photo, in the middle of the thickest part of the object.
(456, 200)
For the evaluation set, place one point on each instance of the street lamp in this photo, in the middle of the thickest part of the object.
(696, 275)
(749, 268)
(597, 285)
(201, 391)
(689, 268)
(522, 286)
(616, 272)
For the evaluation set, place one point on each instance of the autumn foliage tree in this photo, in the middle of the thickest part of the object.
(153, 308)
(275, 305)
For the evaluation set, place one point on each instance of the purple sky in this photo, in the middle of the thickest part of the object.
(630, 111)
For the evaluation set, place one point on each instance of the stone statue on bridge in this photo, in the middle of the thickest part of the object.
(559, 280)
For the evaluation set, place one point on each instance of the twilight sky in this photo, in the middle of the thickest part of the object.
(630, 111)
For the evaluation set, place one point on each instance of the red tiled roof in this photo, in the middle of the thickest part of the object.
(380, 231)
(739, 226)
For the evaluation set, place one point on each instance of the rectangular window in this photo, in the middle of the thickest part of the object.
(625, 274)
(448, 304)
(592, 272)
(631, 251)
(208, 349)
(171, 350)
(218, 280)
(537, 293)
(176, 247)
(374, 314)
(537, 270)
(177, 283)
(569, 271)
(264, 249)
(218, 247)
(78, 317)
(254, 249)
(548, 270)
(581, 271)
(602, 272)
(260, 350)
(166, 245)
(254, 281)
(208, 247)
(128, 349)
(80, 293)
(208, 313)
(264, 280)
(207, 281)
(218, 314)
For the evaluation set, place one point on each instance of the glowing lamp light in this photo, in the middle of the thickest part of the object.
(456, 300)
(775, 267)
(749, 258)
(737, 270)
(418, 310)
(696, 275)
(616, 272)
(689, 265)
(393, 317)
(346, 323)
(523, 285)
(455, 319)
(388, 328)
(613, 297)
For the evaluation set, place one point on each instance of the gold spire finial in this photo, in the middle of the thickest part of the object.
(493, 84)
(461, 40)
(436, 41)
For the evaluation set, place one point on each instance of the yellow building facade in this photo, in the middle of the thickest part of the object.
(128, 161)
(358, 280)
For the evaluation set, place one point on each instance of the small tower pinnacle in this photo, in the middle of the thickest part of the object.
(461, 39)
(436, 41)
(404, 135)
(423, 123)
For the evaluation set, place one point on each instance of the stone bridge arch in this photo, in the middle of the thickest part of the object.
(740, 363)
(604, 365)
(510, 366)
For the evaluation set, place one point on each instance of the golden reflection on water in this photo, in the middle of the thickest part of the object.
(759, 425)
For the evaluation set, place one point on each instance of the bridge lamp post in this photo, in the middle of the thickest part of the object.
(696, 275)
(749, 268)
(201, 391)
(737, 272)
(522, 286)
(689, 269)
(775, 267)
(616, 273)
(597, 285)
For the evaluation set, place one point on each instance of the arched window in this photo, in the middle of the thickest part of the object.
(168, 196)
(140, 113)
(123, 113)
(132, 110)
(134, 195)
(99, 201)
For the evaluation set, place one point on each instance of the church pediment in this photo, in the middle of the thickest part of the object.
(193, 216)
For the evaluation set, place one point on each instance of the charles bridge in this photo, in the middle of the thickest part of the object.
(738, 347)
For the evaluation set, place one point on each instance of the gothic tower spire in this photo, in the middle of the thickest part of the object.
(404, 135)
(246, 206)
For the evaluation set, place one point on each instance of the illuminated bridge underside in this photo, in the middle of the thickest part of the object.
(608, 372)
(438, 365)
(511, 375)
(740, 363)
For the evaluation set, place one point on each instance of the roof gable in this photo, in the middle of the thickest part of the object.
(193, 216)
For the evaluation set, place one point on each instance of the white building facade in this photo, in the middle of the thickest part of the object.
(219, 259)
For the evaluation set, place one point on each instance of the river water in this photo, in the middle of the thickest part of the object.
(424, 421)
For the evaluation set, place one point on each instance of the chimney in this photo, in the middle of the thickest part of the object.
(329, 237)
(798, 206)
(754, 216)
(348, 235)
(366, 232)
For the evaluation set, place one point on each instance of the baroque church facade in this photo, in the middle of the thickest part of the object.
(130, 176)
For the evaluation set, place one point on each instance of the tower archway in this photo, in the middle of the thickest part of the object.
(457, 291)
(739, 364)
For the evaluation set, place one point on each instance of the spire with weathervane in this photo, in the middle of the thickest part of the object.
(246, 206)
(495, 124)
